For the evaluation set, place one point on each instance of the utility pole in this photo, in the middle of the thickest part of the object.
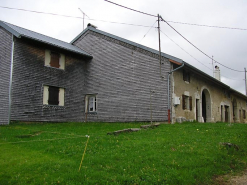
(245, 81)
(159, 41)
(83, 16)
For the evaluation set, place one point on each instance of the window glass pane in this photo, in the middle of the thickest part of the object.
(91, 104)
(53, 95)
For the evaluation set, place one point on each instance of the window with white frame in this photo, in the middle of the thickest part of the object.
(53, 95)
(54, 59)
(90, 103)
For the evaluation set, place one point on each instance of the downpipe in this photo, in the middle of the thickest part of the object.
(10, 78)
(169, 109)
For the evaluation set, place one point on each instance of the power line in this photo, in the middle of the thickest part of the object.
(131, 9)
(125, 24)
(193, 56)
(198, 48)
(176, 22)
(148, 31)
(185, 50)
(177, 33)
(203, 25)
(68, 16)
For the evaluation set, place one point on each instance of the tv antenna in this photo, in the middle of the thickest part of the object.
(83, 16)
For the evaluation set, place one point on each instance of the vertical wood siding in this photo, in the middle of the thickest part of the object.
(30, 75)
(5, 62)
(122, 78)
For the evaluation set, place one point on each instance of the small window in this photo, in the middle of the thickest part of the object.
(54, 59)
(90, 103)
(187, 102)
(186, 76)
(53, 96)
(244, 114)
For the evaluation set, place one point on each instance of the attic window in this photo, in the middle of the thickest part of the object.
(186, 76)
(54, 59)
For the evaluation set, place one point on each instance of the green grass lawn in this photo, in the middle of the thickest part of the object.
(188, 153)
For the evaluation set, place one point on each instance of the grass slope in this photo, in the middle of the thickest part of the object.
(187, 153)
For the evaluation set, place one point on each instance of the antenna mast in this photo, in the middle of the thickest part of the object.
(83, 16)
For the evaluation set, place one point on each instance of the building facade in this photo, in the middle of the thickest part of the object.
(104, 78)
(197, 96)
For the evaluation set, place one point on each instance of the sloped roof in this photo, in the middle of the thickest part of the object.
(126, 41)
(22, 32)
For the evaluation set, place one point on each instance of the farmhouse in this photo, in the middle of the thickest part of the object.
(104, 78)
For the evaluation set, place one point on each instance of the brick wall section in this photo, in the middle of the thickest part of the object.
(5, 62)
(122, 77)
(29, 76)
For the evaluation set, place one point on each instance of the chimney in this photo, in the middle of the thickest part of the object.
(89, 24)
(217, 73)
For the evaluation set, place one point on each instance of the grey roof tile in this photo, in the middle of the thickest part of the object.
(22, 32)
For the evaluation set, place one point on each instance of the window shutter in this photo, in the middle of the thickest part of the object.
(47, 58)
(61, 96)
(190, 102)
(53, 96)
(183, 104)
(62, 61)
(45, 95)
(54, 60)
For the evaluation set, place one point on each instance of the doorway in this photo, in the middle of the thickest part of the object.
(226, 114)
(206, 106)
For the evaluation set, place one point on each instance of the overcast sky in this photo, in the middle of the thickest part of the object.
(227, 46)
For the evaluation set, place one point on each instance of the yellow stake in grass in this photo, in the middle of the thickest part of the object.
(84, 152)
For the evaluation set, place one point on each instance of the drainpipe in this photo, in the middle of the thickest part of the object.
(169, 110)
(11, 75)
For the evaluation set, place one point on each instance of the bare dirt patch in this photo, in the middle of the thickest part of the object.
(240, 179)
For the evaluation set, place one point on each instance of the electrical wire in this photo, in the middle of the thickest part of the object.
(197, 47)
(148, 31)
(193, 56)
(176, 22)
(68, 16)
(128, 24)
(184, 50)
(203, 25)
(131, 9)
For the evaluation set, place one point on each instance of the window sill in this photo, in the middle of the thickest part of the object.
(53, 107)
(90, 112)
(187, 110)
(55, 68)
(187, 82)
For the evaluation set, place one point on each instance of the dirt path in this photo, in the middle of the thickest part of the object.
(232, 180)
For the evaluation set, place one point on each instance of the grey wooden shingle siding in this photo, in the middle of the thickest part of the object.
(5, 61)
(122, 77)
(29, 77)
